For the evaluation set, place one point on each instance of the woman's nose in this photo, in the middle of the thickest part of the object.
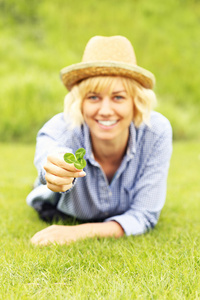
(106, 107)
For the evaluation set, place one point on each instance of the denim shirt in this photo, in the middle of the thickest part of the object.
(135, 196)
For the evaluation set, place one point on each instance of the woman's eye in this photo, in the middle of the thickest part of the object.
(93, 97)
(118, 97)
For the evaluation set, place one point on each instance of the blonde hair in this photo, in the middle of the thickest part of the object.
(143, 99)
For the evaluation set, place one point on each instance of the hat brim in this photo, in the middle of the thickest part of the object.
(77, 72)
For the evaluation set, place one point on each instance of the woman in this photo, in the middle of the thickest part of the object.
(108, 111)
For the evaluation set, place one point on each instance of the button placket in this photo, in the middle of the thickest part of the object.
(105, 193)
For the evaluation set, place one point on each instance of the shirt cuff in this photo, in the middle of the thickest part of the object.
(41, 176)
(130, 224)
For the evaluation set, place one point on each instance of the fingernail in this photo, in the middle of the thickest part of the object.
(82, 173)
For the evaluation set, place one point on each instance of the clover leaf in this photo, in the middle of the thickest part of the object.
(69, 158)
(78, 160)
(80, 164)
(80, 153)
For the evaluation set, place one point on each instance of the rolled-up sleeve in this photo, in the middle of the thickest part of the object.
(149, 189)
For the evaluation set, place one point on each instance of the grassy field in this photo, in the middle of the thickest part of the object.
(38, 38)
(163, 264)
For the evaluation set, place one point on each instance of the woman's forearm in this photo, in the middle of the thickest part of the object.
(104, 229)
(62, 234)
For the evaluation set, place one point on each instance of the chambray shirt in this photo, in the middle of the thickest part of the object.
(135, 196)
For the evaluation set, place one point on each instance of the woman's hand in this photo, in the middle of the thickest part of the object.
(59, 174)
(60, 234)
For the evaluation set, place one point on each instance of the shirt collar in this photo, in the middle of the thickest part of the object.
(131, 149)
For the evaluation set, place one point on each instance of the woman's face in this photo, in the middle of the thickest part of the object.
(108, 113)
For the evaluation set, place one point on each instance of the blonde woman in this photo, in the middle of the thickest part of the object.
(109, 112)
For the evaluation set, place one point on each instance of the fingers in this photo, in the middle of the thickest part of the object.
(58, 184)
(42, 238)
(59, 174)
(59, 161)
(54, 234)
(58, 171)
(59, 188)
(58, 234)
(57, 180)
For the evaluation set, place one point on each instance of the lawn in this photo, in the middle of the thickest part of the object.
(37, 39)
(162, 264)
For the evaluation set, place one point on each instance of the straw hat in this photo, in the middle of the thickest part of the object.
(107, 56)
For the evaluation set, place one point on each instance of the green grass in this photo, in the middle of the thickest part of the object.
(163, 264)
(38, 38)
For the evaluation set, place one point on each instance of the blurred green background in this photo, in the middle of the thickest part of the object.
(38, 38)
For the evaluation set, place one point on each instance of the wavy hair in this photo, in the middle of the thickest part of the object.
(144, 100)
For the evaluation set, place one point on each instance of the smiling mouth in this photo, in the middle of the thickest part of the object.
(107, 123)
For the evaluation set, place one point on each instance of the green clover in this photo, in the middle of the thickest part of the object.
(78, 160)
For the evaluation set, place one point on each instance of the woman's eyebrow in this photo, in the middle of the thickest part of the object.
(91, 92)
(117, 92)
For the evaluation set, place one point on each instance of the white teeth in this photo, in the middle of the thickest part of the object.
(107, 123)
